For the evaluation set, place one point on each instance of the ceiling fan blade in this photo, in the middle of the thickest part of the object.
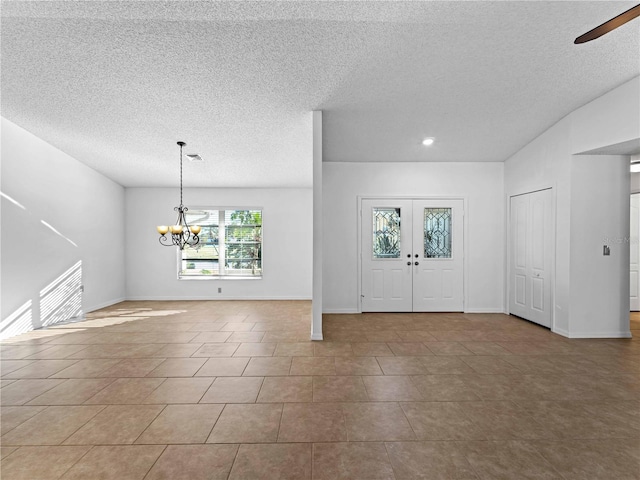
(609, 25)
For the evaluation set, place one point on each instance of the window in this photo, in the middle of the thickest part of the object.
(230, 244)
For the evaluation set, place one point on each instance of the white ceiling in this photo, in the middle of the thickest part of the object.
(116, 83)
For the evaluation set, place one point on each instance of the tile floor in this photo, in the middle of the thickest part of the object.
(234, 390)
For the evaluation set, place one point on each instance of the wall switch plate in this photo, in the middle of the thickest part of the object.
(606, 250)
(219, 289)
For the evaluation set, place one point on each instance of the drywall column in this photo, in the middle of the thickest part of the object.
(316, 307)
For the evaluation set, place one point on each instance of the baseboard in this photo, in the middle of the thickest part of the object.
(217, 297)
(340, 310)
(615, 334)
(484, 310)
(316, 336)
(560, 331)
(93, 308)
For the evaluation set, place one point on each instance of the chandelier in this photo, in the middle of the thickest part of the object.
(182, 234)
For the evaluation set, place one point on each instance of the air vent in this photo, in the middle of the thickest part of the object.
(194, 157)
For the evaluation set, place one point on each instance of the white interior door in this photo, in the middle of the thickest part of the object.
(634, 254)
(412, 255)
(386, 255)
(531, 257)
(437, 255)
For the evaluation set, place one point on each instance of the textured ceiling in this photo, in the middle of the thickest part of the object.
(115, 84)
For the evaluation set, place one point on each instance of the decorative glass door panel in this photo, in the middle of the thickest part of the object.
(437, 233)
(386, 232)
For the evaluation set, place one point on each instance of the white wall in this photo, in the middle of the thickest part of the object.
(480, 183)
(605, 220)
(84, 207)
(287, 244)
(592, 201)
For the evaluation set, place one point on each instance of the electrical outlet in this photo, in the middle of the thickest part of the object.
(219, 289)
(606, 250)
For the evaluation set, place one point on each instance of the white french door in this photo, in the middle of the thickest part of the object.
(412, 255)
(531, 247)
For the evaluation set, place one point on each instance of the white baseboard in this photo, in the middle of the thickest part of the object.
(484, 310)
(93, 308)
(316, 336)
(561, 331)
(209, 297)
(613, 334)
(340, 310)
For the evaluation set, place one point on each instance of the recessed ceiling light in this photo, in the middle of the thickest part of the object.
(194, 157)
(428, 141)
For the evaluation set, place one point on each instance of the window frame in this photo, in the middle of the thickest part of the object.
(222, 275)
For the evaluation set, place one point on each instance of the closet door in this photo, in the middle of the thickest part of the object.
(531, 257)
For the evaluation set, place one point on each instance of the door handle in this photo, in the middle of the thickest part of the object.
(417, 255)
(408, 263)
(408, 255)
(417, 263)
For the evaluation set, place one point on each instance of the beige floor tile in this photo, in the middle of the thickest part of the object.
(415, 336)
(233, 390)
(382, 336)
(370, 349)
(493, 365)
(485, 348)
(178, 367)
(207, 327)
(89, 368)
(446, 365)
(429, 461)
(246, 337)
(313, 366)
(216, 350)
(402, 365)
(440, 421)
(211, 337)
(407, 349)
(312, 422)
(338, 389)
(11, 417)
(593, 459)
(237, 327)
(268, 366)
(177, 350)
(357, 366)
(391, 388)
(282, 461)
(508, 460)
(505, 421)
(23, 391)
(223, 367)
(448, 348)
(445, 388)
(16, 352)
(52, 426)
(116, 424)
(194, 462)
(57, 352)
(332, 349)
(256, 423)
(118, 351)
(135, 367)
(8, 366)
(350, 461)
(6, 451)
(41, 463)
(179, 424)
(294, 349)
(74, 391)
(130, 462)
(40, 369)
(126, 391)
(286, 389)
(255, 350)
(366, 422)
(180, 390)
